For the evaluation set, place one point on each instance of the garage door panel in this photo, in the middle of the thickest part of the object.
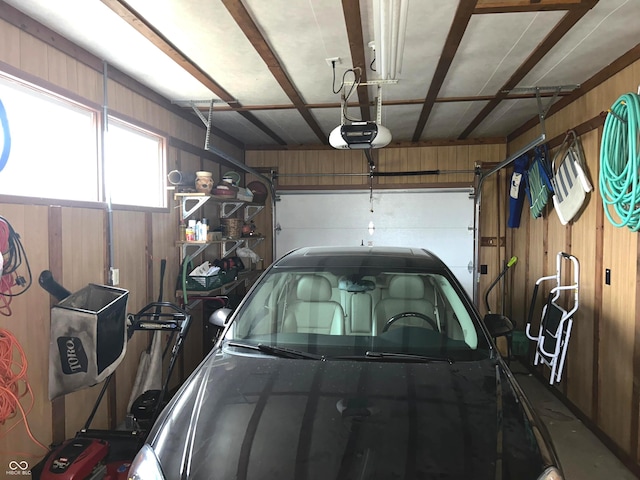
(437, 220)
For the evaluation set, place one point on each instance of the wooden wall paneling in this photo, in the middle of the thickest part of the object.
(489, 255)
(54, 247)
(580, 355)
(90, 83)
(9, 44)
(33, 56)
(83, 247)
(403, 166)
(131, 258)
(446, 161)
(342, 165)
(503, 293)
(413, 163)
(59, 72)
(462, 163)
(536, 269)
(635, 394)
(157, 116)
(29, 323)
(394, 162)
(119, 99)
(617, 328)
(310, 161)
(326, 165)
(359, 164)
(428, 161)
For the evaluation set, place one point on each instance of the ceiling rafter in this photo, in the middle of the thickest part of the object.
(456, 32)
(259, 43)
(519, 6)
(353, 21)
(137, 21)
(560, 30)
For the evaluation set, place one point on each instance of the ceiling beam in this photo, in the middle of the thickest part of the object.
(562, 27)
(255, 37)
(353, 21)
(458, 27)
(137, 21)
(493, 6)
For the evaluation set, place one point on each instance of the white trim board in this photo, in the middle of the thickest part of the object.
(435, 219)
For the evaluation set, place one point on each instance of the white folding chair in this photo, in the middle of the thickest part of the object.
(554, 331)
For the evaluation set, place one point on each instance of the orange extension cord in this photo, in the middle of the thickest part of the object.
(13, 373)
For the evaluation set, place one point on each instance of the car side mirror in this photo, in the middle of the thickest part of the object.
(220, 317)
(498, 325)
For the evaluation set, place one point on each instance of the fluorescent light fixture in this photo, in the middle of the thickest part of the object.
(390, 24)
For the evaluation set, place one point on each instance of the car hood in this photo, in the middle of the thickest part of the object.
(260, 417)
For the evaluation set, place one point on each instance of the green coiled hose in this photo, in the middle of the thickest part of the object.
(620, 162)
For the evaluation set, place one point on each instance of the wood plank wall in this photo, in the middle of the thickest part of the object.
(71, 240)
(602, 370)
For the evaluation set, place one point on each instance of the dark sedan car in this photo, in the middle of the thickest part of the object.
(352, 363)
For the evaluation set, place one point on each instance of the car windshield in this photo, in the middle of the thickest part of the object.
(351, 312)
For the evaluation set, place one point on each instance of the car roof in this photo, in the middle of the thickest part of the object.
(390, 257)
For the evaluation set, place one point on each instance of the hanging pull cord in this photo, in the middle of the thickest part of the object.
(372, 167)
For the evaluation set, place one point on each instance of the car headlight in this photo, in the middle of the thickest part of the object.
(145, 466)
(551, 473)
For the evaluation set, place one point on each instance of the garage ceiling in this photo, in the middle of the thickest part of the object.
(466, 69)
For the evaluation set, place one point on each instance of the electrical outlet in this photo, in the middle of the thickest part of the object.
(333, 59)
(115, 276)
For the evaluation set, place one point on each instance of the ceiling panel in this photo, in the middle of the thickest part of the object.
(113, 40)
(507, 114)
(207, 34)
(428, 24)
(288, 125)
(303, 46)
(493, 48)
(609, 30)
(232, 123)
(448, 120)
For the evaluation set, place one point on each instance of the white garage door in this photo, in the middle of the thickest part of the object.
(438, 220)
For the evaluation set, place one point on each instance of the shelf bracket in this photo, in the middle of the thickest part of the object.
(200, 247)
(251, 211)
(233, 206)
(187, 211)
(253, 241)
(226, 251)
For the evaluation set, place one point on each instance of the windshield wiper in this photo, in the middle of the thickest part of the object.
(407, 356)
(277, 351)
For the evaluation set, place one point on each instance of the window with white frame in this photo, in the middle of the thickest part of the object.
(53, 151)
(53, 145)
(134, 165)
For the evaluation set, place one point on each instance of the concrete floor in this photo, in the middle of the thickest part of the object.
(582, 455)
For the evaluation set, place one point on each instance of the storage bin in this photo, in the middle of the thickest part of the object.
(231, 227)
(88, 338)
(202, 283)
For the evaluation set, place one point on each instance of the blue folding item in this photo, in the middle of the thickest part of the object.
(538, 181)
(517, 190)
